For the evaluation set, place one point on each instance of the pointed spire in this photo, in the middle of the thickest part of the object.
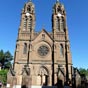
(29, 0)
(58, 0)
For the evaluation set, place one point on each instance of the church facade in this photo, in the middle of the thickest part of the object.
(41, 58)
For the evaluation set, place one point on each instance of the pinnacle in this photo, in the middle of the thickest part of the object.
(29, 0)
(58, 0)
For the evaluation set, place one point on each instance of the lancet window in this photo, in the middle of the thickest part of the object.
(58, 23)
(61, 50)
(30, 23)
(25, 23)
(62, 23)
(25, 48)
(29, 8)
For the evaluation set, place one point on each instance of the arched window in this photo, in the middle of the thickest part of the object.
(17, 47)
(43, 36)
(29, 8)
(25, 23)
(62, 23)
(61, 50)
(30, 23)
(58, 9)
(58, 23)
(25, 48)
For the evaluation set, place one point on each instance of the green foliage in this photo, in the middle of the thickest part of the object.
(5, 61)
(83, 71)
(3, 76)
(5, 58)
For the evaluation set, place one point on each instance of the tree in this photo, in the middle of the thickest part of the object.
(3, 76)
(5, 59)
(83, 71)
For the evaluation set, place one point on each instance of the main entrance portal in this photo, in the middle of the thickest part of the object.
(43, 76)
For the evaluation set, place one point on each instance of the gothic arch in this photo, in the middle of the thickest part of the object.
(44, 70)
(39, 43)
(43, 75)
(61, 50)
(58, 23)
(30, 20)
(62, 24)
(25, 48)
(25, 24)
(28, 8)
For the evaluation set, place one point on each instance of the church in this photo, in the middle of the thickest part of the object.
(41, 58)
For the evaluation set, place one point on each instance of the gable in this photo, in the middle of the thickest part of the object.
(43, 36)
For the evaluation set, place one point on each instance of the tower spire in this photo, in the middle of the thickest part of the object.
(29, 0)
(58, 0)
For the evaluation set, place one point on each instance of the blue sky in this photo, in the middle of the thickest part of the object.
(77, 22)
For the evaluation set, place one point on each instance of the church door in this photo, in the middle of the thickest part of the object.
(43, 74)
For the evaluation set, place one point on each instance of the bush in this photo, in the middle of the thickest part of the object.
(3, 76)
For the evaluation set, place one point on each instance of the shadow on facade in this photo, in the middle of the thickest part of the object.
(60, 84)
(24, 86)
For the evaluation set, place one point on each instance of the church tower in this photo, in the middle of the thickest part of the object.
(61, 38)
(27, 20)
(25, 35)
(41, 58)
(58, 18)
